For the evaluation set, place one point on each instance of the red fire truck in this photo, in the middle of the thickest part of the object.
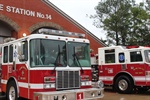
(124, 68)
(48, 65)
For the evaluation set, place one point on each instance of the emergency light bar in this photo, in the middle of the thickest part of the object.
(60, 33)
(9, 39)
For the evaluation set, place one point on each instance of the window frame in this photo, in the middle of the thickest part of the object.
(5, 54)
(135, 57)
(110, 56)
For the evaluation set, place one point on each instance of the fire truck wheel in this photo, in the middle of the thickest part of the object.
(11, 92)
(123, 85)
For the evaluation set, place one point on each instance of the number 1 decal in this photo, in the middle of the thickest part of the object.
(79, 96)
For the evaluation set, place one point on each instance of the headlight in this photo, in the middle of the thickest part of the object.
(100, 84)
(49, 85)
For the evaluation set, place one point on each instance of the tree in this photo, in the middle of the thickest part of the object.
(125, 22)
(113, 16)
(139, 29)
(148, 5)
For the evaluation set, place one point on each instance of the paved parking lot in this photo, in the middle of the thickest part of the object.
(137, 95)
(111, 95)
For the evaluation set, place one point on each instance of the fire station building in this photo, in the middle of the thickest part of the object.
(19, 18)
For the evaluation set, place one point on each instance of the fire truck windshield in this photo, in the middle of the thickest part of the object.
(55, 53)
(45, 52)
(78, 55)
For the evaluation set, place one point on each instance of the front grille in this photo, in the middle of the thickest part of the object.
(67, 80)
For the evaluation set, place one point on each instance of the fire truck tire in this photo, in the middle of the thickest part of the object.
(11, 91)
(124, 85)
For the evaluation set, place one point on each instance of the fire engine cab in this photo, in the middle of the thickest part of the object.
(123, 68)
(48, 65)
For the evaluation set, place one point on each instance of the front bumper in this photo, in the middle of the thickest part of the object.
(77, 94)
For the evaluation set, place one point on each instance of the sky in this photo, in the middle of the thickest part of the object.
(80, 10)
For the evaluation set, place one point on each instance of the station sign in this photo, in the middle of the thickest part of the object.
(26, 12)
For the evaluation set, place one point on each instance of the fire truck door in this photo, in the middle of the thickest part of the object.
(107, 66)
(22, 68)
(108, 72)
(11, 59)
(136, 68)
(14, 57)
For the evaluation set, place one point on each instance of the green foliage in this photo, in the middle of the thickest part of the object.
(148, 5)
(126, 23)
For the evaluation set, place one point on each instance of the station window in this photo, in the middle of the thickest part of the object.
(5, 55)
(121, 57)
(110, 56)
(136, 56)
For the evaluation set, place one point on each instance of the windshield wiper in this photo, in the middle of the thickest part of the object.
(75, 56)
(56, 59)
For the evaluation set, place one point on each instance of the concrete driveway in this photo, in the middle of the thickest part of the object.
(137, 95)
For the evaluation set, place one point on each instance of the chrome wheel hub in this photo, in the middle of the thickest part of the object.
(123, 85)
(12, 93)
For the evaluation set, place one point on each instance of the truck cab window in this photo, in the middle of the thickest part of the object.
(147, 56)
(110, 56)
(24, 51)
(47, 53)
(78, 55)
(136, 56)
(10, 53)
(5, 54)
